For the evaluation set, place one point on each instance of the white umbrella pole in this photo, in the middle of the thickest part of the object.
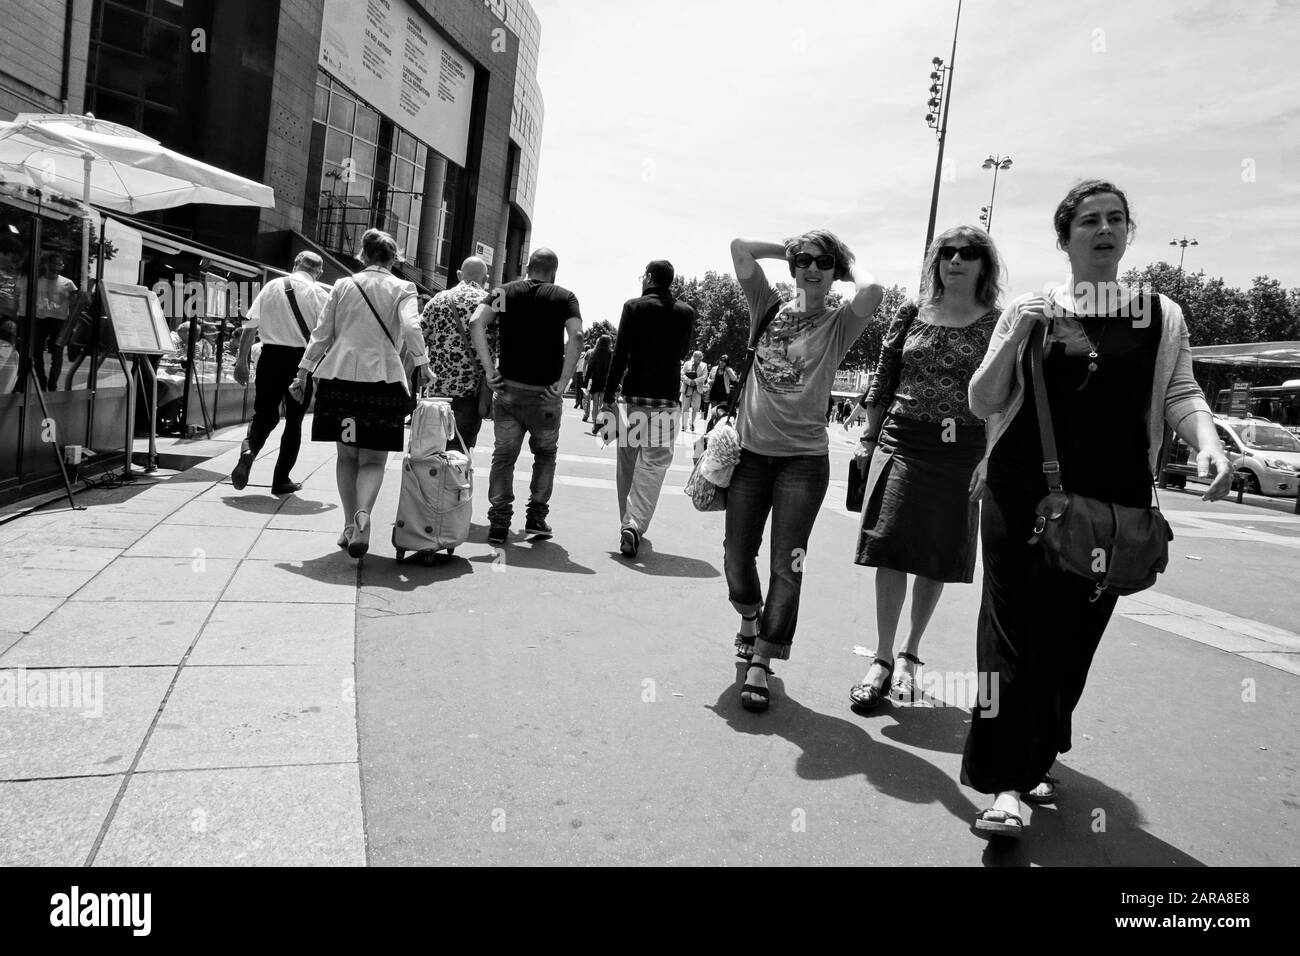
(86, 226)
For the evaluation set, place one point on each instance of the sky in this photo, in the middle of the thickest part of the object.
(672, 127)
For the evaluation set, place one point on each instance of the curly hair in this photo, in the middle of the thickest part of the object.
(1068, 206)
(988, 290)
(827, 241)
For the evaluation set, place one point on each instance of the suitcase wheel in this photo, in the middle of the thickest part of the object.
(428, 529)
(451, 550)
(401, 554)
(428, 557)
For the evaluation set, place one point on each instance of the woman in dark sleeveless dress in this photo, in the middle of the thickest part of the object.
(1117, 367)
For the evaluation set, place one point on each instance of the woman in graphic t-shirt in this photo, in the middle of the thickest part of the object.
(784, 465)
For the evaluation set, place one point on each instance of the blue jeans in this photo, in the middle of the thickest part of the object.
(792, 489)
(517, 409)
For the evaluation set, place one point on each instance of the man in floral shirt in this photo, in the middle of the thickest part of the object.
(445, 322)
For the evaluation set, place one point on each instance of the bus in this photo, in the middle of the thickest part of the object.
(1276, 403)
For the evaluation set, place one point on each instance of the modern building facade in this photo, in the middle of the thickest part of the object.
(420, 117)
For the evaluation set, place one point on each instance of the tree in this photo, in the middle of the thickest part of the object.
(594, 331)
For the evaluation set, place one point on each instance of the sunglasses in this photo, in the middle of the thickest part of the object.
(804, 259)
(967, 253)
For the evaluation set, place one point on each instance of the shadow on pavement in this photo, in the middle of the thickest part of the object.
(1067, 834)
(255, 504)
(383, 572)
(833, 747)
(662, 564)
(541, 555)
(294, 505)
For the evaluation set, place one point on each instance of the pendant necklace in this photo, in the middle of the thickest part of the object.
(1092, 353)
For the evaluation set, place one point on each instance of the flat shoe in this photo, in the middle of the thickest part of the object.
(999, 823)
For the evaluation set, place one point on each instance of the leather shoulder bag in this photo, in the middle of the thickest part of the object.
(1119, 549)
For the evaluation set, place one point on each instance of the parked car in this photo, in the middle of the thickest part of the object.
(1264, 455)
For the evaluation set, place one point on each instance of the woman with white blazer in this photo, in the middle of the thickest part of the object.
(362, 395)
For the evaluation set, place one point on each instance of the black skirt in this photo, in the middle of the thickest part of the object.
(368, 415)
(917, 515)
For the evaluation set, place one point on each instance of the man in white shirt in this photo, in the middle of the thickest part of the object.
(283, 315)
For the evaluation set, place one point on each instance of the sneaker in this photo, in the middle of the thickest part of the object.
(629, 542)
(498, 536)
(239, 477)
(537, 528)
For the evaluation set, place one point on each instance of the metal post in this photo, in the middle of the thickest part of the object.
(993, 195)
(943, 133)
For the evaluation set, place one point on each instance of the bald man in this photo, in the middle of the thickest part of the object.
(445, 322)
(283, 315)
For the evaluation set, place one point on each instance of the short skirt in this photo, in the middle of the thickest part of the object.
(917, 516)
(368, 415)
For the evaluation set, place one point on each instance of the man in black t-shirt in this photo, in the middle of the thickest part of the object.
(540, 331)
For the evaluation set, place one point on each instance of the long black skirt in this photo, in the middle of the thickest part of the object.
(1037, 633)
(917, 515)
(368, 415)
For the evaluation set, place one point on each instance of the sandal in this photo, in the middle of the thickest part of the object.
(359, 543)
(866, 695)
(759, 697)
(346, 536)
(904, 685)
(999, 823)
(745, 644)
(1045, 792)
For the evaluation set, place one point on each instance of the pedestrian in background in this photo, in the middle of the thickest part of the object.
(445, 325)
(540, 329)
(721, 381)
(369, 325)
(282, 317)
(1115, 368)
(920, 450)
(784, 465)
(594, 378)
(694, 379)
(654, 334)
(579, 371)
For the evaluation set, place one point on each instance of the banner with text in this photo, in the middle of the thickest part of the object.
(392, 57)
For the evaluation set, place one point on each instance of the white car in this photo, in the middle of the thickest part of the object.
(1264, 455)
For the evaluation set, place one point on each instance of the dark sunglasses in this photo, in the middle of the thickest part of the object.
(804, 259)
(967, 253)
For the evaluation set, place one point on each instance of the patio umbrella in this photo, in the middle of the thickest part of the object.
(116, 167)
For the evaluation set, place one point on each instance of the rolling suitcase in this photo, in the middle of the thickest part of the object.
(436, 501)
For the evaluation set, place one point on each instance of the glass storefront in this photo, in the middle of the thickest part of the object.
(372, 175)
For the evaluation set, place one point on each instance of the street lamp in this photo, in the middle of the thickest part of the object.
(994, 163)
(1184, 243)
(939, 104)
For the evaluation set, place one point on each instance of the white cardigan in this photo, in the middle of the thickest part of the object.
(348, 343)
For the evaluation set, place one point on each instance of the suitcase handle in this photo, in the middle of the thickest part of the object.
(426, 391)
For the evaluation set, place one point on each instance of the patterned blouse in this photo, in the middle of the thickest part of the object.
(925, 369)
(451, 356)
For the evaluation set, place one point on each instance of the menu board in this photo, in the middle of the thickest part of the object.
(393, 58)
(137, 318)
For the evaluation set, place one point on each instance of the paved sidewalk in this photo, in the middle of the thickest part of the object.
(181, 663)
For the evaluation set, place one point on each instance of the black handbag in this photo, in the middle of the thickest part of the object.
(1120, 549)
(857, 487)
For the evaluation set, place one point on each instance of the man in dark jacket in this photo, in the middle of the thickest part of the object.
(654, 337)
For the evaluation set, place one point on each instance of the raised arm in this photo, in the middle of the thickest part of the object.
(867, 292)
(992, 383)
(745, 254)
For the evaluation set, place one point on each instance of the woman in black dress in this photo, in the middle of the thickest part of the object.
(1116, 367)
(918, 516)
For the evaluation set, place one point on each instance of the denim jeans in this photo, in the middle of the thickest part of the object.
(520, 408)
(792, 489)
(647, 438)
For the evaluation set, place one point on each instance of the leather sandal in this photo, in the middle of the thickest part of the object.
(359, 543)
(759, 697)
(1045, 792)
(744, 643)
(868, 696)
(904, 685)
(346, 536)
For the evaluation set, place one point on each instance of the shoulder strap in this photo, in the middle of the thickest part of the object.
(297, 312)
(375, 312)
(1051, 463)
(759, 329)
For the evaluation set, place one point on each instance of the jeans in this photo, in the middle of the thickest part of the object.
(464, 409)
(523, 408)
(792, 489)
(647, 438)
(277, 367)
